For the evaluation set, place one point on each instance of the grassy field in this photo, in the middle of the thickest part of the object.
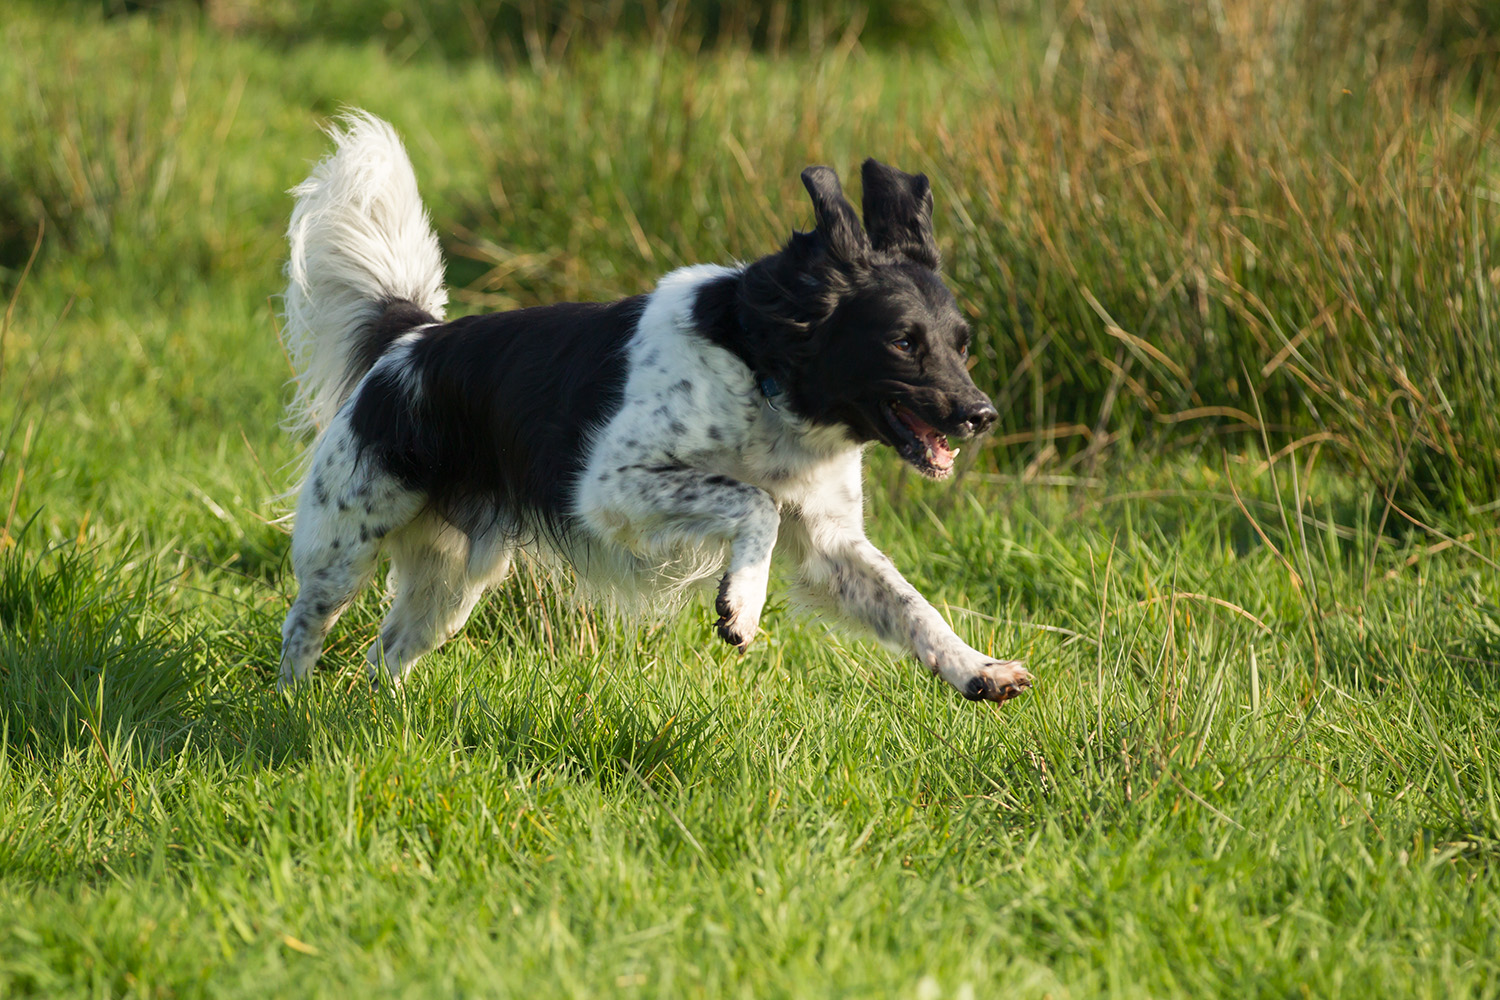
(1234, 273)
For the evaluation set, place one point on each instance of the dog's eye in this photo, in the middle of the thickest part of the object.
(963, 350)
(903, 345)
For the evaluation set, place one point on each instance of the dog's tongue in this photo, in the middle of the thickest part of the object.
(934, 440)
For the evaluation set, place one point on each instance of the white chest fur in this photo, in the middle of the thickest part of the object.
(665, 478)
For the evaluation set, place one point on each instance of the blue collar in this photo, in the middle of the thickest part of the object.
(769, 388)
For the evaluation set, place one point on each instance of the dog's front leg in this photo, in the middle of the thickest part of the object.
(838, 561)
(650, 509)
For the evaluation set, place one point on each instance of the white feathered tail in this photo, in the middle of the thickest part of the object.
(360, 240)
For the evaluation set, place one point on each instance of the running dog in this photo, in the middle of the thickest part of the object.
(649, 443)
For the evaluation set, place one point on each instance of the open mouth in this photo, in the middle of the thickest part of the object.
(921, 444)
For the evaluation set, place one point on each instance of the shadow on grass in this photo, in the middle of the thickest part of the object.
(83, 658)
(507, 695)
(160, 731)
(562, 723)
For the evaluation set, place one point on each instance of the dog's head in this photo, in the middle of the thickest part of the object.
(857, 325)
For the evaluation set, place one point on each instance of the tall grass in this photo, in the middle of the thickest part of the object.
(1170, 221)
(1278, 217)
(84, 656)
(541, 32)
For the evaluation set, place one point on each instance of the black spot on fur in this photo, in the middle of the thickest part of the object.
(721, 601)
(678, 427)
(714, 434)
(853, 588)
(683, 386)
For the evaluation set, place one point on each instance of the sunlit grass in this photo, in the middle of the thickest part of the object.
(1233, 278)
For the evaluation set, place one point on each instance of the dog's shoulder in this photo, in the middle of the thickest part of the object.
(674, 370)
(684, 395)
(690, 400)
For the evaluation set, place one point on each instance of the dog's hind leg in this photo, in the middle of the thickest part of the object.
(345, 510)
(438, 574)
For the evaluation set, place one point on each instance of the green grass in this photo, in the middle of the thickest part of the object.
(1188, 803)
(1260, 759)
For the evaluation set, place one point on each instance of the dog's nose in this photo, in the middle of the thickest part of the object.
(979, 417)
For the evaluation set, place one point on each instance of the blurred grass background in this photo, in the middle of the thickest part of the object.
(1175, 221)
(1232, 270)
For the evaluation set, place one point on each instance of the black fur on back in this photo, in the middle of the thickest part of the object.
(503, 409)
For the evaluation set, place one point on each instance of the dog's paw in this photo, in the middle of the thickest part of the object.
(384, 667)
(739, 608)
(383, 681)
(292, 673)
(997, 681)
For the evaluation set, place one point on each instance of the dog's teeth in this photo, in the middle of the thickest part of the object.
(956, 451)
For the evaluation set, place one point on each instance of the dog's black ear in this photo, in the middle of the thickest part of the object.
(898, 212)
(837, 223)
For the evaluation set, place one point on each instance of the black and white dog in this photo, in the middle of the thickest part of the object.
(721, 416)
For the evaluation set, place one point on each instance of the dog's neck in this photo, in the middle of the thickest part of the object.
(718, 317)
(770, 389)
